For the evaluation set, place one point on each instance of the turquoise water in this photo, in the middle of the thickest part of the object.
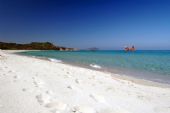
(153, 65)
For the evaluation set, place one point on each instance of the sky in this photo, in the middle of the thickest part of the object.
(105, 24)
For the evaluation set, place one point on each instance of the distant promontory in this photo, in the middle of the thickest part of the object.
(33, 46)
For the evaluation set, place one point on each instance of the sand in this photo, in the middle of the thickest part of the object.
(31, 85)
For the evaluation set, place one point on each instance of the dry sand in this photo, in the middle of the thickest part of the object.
(31, 85)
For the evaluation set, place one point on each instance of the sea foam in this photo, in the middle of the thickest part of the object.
(55, 60)
(95, 66)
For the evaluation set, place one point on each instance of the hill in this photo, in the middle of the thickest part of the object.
(33, 46)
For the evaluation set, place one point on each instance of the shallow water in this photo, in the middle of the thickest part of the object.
(145, 64)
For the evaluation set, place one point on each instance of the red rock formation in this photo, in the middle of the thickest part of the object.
(127, 49)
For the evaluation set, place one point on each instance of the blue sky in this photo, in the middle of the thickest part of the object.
(106, 24)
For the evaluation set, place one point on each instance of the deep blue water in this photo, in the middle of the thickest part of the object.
(149, 64)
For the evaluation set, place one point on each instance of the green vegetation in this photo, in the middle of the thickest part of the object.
(33, 46)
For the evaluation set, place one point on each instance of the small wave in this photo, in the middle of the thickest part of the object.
(54, 60)
(95, 66)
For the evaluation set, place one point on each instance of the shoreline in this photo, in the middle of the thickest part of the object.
(27, 83)
(114, 74)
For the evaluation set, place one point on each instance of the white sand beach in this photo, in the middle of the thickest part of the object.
(32, 85)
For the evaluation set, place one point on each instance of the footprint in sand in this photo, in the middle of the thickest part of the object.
(15, 78)
(24, 89)
(10, 71)
(43, 99)
(110, 89)
(143, 97)
(49, 92)
(56, 106)
(49, 102)
(83, 109)
(77, 81)
(68, 76)
(98, 98)
(38, 83)
(73, 88)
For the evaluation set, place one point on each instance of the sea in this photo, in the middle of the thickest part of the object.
(153, 65)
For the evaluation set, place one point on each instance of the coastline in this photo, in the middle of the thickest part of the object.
(53, 87)
(114, 74)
